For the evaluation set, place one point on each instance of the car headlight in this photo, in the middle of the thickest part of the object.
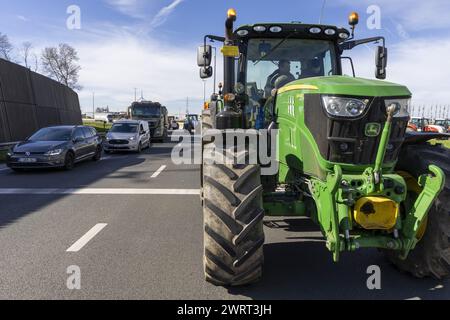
(402, 107)
(132, 138)
(344, 107)
(56, 152)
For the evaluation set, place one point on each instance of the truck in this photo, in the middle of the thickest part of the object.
(155, 114)
(343, 155)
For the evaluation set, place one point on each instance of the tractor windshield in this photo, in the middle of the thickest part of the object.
(268, 59)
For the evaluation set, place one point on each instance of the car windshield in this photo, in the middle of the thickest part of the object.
(268, 59)
(124, 128)
(52, 134)
(441, 122)
(146, 110)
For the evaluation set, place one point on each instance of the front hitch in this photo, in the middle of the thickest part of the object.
(432, 185)
(381, 154)
(324, 194)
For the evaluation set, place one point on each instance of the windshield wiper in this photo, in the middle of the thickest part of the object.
(274, 48)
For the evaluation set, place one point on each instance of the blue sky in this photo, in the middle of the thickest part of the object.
(151, 44)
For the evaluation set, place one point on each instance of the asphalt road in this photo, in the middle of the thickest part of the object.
(134, 227)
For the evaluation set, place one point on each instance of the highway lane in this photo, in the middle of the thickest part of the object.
(150, 246)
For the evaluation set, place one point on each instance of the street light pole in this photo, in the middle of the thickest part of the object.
(93, 105)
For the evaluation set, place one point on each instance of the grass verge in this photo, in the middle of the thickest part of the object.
(99, 126)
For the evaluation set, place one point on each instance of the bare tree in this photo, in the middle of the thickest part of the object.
(25, 52)
(61, 64)
(29, 57)
(36, 62)
(6, 47)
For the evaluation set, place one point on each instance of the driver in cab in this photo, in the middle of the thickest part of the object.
(284, 69)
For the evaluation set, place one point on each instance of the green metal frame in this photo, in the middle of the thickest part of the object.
(335, 187)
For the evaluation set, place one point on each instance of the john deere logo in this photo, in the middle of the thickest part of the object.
(373, 129)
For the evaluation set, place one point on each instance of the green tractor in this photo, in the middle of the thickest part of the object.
(343, 157)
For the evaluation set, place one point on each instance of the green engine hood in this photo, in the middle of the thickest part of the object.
(344, 85)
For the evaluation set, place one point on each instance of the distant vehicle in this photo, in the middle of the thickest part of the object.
(104, 117)
(419, 124)
(173, 123)
(155, 114)
(56, 147)
(430, 126)
(128, 135)
(191, 122)
(444, 123)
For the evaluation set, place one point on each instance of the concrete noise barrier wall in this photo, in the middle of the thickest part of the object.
(30, 101)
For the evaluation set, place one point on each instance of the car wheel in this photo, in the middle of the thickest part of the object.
(98, 154)
(139, 150)
(69, 161)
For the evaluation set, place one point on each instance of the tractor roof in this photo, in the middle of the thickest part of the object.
(296, 29)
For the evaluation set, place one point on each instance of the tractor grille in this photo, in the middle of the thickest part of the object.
(344, 140)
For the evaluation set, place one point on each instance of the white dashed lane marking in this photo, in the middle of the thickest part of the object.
(157, 173)
(77, 246)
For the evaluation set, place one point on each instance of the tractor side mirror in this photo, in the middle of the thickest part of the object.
(204, 54)
(206, 72)
(381, 62)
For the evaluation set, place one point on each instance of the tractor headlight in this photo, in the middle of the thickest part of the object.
(402, 107)
(344, 107)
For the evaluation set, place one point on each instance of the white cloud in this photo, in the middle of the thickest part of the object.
(22, 18)
(413, 15)
(113, 66)
(133, 8)
(162, 16)
(420, 64)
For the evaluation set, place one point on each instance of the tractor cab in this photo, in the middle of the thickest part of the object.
(261, 58)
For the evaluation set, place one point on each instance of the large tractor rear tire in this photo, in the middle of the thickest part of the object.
(233, 222)
(207, 121)
(206, 124)
(431, 257)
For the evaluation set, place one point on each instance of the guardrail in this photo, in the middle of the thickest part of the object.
(7, 145)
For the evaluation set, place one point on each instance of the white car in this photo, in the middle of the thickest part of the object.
(128, 135)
